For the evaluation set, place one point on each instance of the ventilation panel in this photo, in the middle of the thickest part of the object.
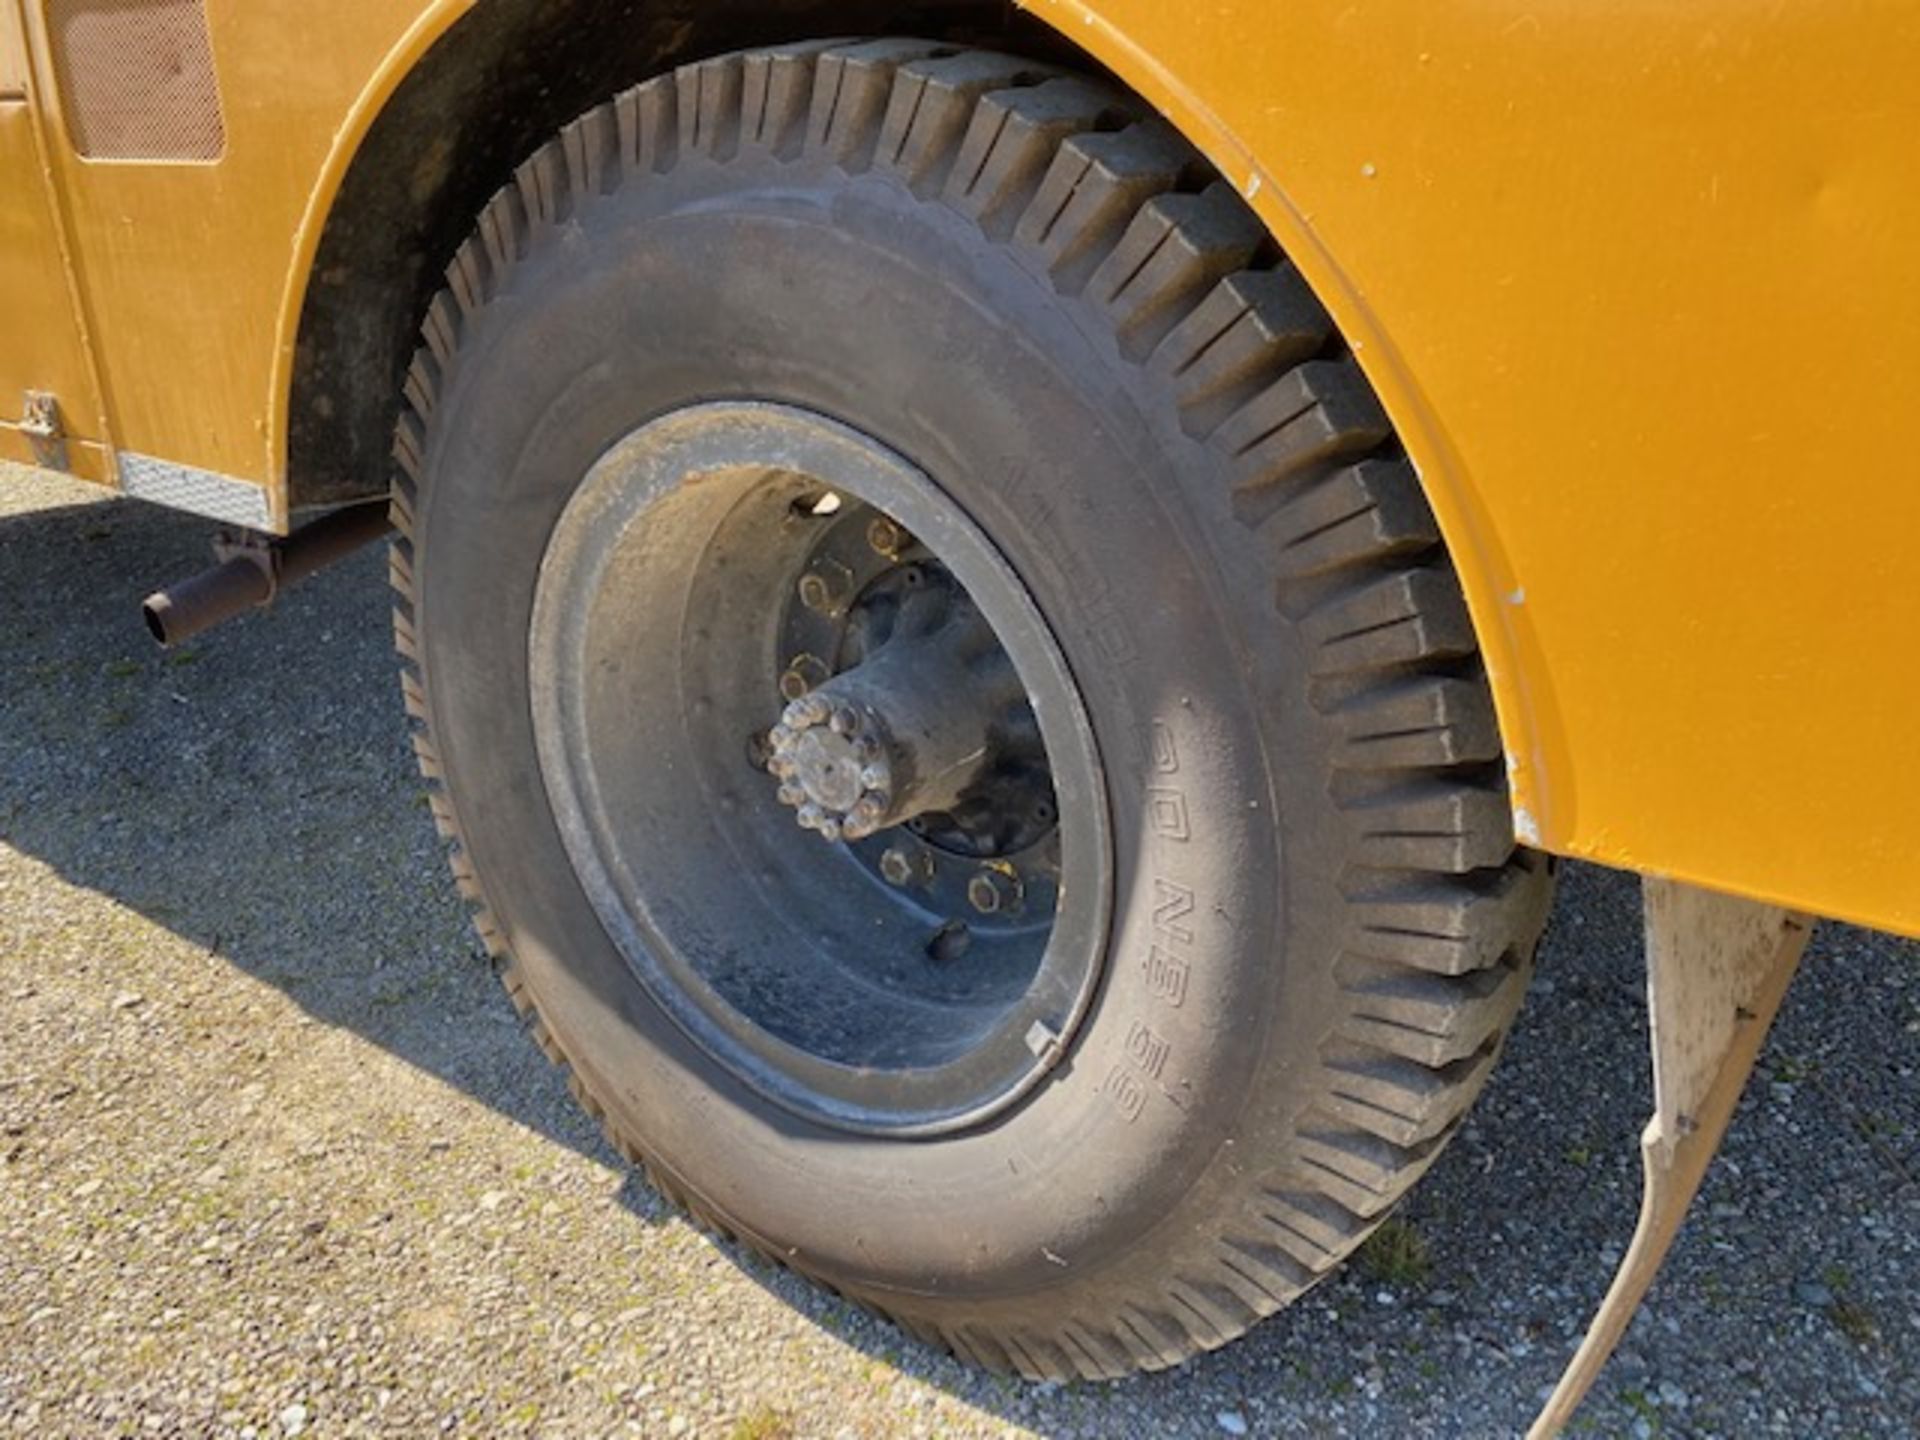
(137, 79)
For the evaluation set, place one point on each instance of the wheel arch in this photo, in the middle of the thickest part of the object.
(387, 212)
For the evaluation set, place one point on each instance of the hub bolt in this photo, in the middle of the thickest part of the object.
(808, 710)
(814, 817)
(864, 818)
(993, 892)
(887, 537)
(826, 586)
(902, 867)
(804, 674)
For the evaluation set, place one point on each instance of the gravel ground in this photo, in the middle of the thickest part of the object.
(276, 1158)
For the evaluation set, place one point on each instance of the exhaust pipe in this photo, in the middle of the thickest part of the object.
(251, 574)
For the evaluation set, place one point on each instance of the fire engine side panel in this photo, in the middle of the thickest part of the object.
(1637, 284)
(184, 263)
(40, 346)
(1634, 281)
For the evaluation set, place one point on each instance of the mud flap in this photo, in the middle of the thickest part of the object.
(1717, 967)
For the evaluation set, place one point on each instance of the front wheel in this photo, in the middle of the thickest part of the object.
(948, 701)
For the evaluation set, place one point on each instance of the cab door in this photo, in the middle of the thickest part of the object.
(50, 410)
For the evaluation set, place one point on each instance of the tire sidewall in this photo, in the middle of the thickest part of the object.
(792, 282)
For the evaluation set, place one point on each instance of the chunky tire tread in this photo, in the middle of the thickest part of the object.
(1443, 910)
(931, 106)
(1011, 143)
(1171, 254)
(1424, 722)
(1093, 188)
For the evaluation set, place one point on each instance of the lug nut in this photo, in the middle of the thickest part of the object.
(864, 819)
(886, 537)
(760, 750)
(907, 864)
(799, 714)
(807, 672)
(826, 586)
(845, 720)
(993, 892)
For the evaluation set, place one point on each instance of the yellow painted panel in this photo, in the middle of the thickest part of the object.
(39, 345)
(86, 459)
(1638, 283)
(186, 266)
(13, 56)
(1635, 281)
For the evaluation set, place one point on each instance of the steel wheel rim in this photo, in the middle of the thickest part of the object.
(660, 649)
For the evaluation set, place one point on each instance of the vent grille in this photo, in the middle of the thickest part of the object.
(137, 79)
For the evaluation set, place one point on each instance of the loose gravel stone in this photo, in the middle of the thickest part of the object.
(319, 1170)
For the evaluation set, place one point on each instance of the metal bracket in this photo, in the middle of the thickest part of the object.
(40, 423)
(1717, 967)
(257, 550)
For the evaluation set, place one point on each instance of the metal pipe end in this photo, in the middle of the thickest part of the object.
(251, 578)
(202, 601)
(156, 610)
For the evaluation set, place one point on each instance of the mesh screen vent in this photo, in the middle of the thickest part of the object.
(136, 79)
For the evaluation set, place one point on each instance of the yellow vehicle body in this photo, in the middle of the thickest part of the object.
(1636, 284)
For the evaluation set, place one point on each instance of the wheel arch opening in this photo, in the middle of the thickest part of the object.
(507, 74)
(491, 89)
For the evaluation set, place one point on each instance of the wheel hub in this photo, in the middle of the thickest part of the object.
(913, 729)
(827, 769)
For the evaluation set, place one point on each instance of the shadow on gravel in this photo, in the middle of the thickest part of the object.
(253, 792)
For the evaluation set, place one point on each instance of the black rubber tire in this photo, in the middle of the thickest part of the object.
(1040, 294)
